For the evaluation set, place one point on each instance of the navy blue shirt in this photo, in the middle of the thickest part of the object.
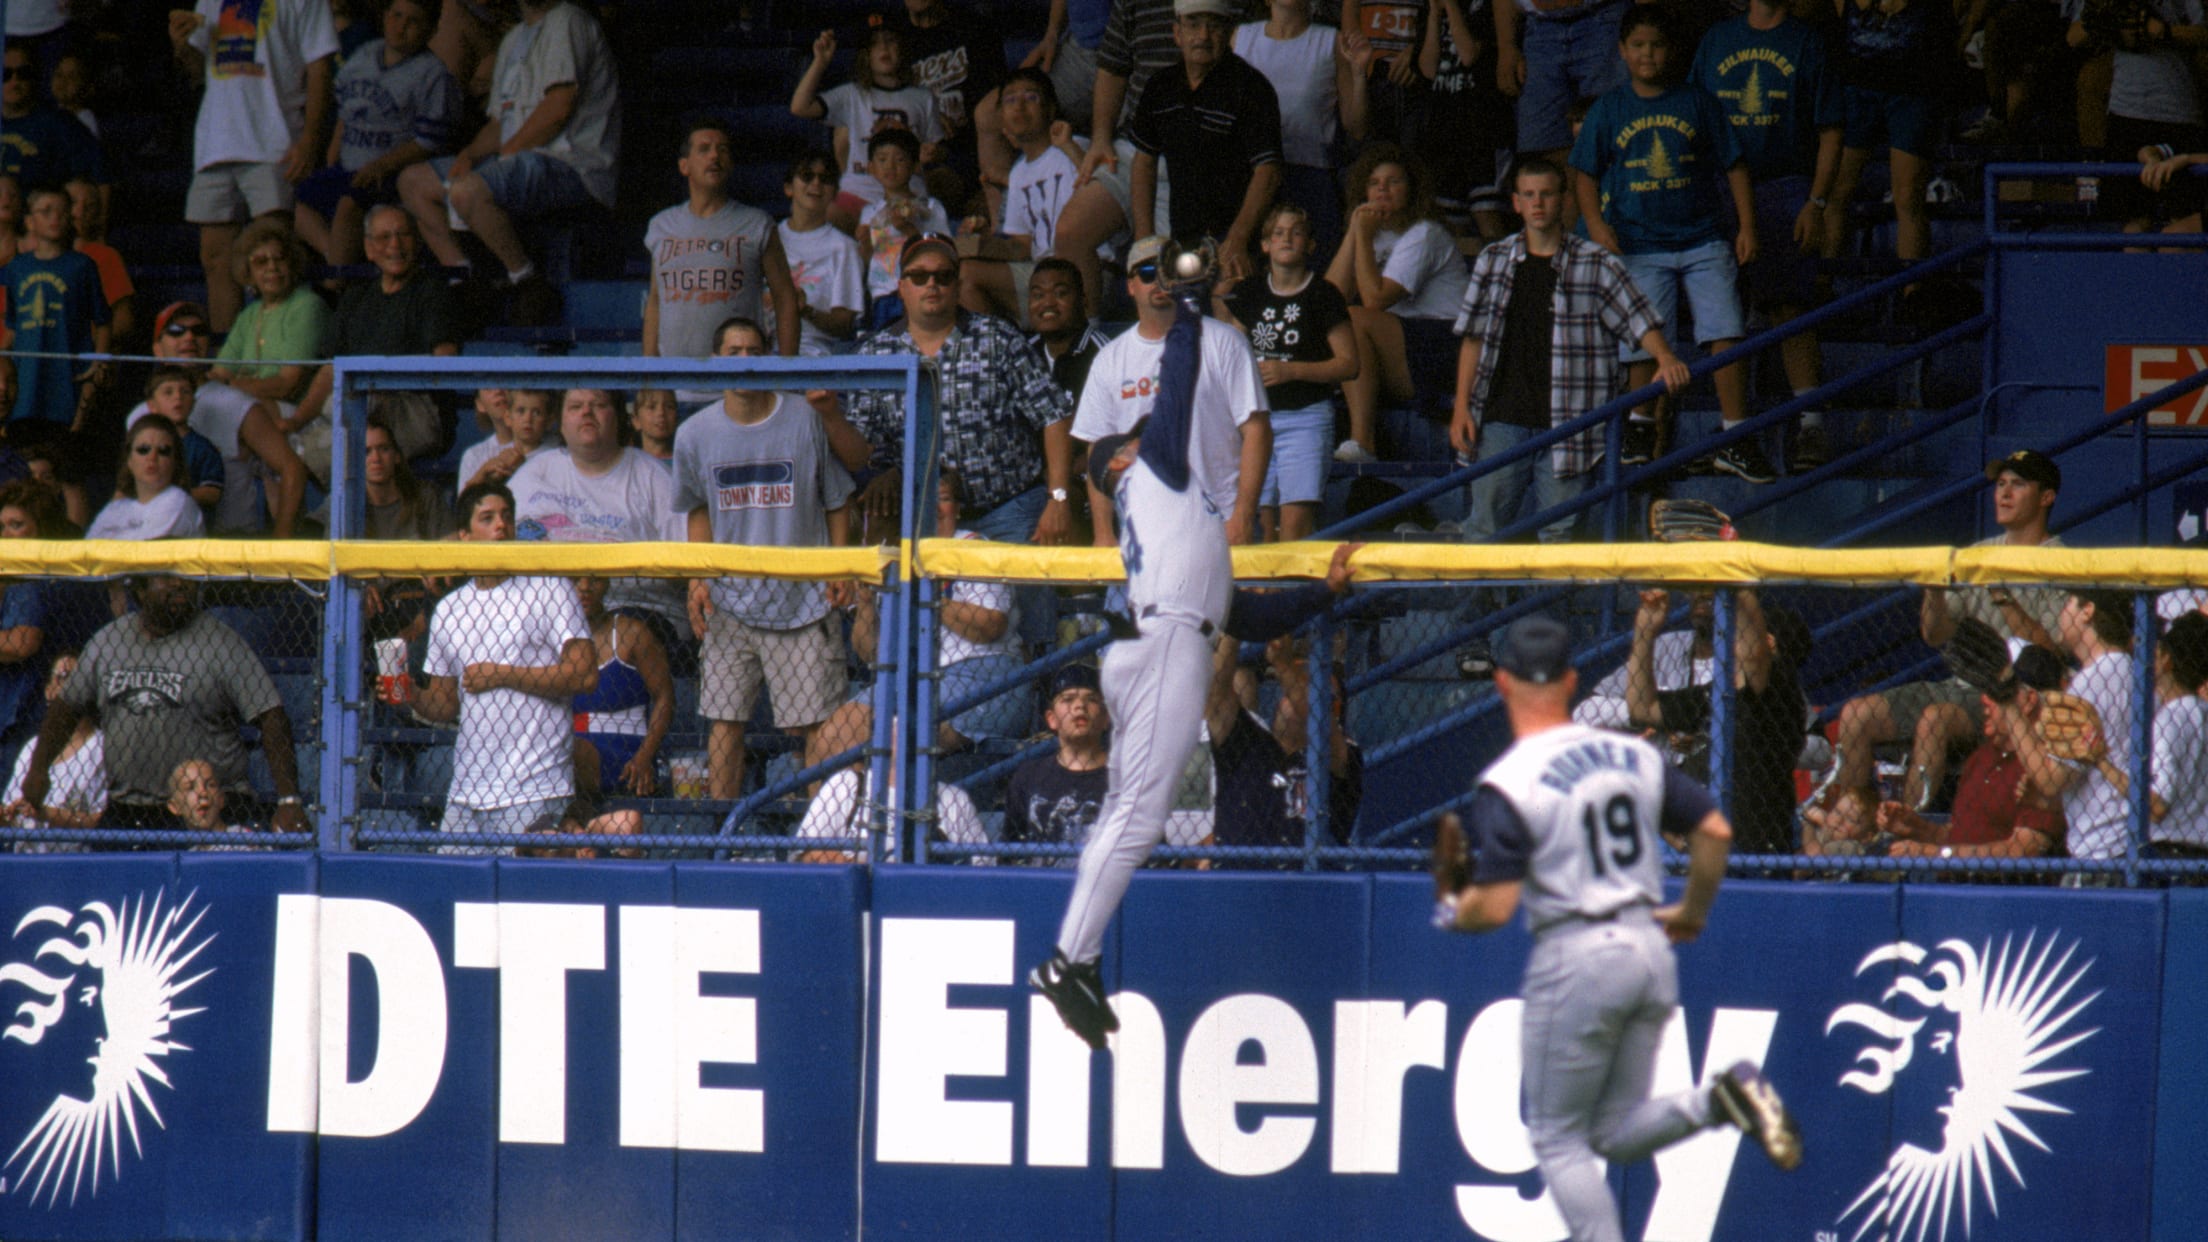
(1779, 87)
(1661, 166)
(49, 147)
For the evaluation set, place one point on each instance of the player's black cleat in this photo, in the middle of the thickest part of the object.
(1076, 989)
(1744, 1097)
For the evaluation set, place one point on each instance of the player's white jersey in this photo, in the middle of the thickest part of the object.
(1175, 547)
(1591, 801)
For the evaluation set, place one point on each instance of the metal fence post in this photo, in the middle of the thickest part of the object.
(918, 796)
(1721, 699)
(916, 633)
(881, 753)
(1318, 743)
(343, 636)
(2141, 817)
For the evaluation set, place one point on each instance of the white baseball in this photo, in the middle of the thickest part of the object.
(1189, 265)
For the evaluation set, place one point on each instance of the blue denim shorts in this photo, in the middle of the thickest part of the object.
(1302, 451)
(1910, 123)
(1567, 58)
(1010, 714)
(529, 183)
(1710, 277)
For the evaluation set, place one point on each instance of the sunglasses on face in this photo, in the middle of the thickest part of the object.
(153, 450)
(14, 73)
(813, 175)
(1147, 273)
(185, 327)
(944, 277)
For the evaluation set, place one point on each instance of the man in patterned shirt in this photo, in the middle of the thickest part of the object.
(1542, 321)
(1004, 424)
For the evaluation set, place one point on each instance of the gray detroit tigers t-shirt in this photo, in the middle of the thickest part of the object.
(707, 270)
(161, 701)
(769, 484)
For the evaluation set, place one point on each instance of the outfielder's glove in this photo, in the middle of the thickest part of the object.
(2069, 727)
(1978, 655)
(1452, 861)
(1689, 521)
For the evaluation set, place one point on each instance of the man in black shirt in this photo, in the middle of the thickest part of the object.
(1216, 123)
(1055, 799)
(1262, 777)
(1769, 716)
(960, 59)
(1059, 313)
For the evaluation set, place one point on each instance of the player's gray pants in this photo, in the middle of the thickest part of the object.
(1597, 998)
(1154, 687)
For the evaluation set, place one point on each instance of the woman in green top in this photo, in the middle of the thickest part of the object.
(285, 324)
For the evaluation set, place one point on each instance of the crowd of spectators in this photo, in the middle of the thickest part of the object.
(1438, 227)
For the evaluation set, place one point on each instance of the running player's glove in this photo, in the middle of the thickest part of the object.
(1978, 655)
(1689, 521)
(1452, 869)
(2069, 727)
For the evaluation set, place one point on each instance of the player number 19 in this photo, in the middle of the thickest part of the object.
(1618, 822)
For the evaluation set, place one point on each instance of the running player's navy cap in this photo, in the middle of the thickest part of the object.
(1537, 649)
(1103, 451)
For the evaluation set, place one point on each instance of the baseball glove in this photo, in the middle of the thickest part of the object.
(2069, 727)
(1689, 521)
(1978, 655)
(1452, 862)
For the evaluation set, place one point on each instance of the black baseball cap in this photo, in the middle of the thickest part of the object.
(1074, 677)
(2030, 465)
(1536, 649)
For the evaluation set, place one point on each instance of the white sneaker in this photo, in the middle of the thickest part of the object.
(1353, 453)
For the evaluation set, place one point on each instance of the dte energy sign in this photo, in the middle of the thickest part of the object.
(392, 1048)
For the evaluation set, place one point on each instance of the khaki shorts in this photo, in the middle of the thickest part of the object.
(803, 670)
(235, 192)
(1907, 701)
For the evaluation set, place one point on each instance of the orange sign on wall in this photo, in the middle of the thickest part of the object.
(2136, 371)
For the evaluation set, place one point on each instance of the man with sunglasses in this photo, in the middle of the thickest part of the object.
(1232, 439)
(254, 450)
(44, 145)
(1004, 424)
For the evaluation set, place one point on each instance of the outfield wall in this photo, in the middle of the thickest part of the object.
(352, 1046)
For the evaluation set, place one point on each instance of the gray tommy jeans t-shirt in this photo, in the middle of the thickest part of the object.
(770, 484)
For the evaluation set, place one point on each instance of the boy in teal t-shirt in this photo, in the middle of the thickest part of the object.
(1649, 168)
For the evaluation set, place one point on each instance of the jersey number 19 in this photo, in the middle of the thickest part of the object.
(1621, 825)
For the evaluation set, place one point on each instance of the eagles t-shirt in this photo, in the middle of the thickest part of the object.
(1660, 164)
(1778, 88)
(1290, 327)
(163, 700)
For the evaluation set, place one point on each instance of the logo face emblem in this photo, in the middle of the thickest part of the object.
(2007, 1018)
(123, 967)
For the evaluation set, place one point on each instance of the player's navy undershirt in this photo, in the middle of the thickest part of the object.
(1502, 846)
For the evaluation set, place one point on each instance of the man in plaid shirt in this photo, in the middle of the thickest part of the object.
(1006, 426)
(1542, 322)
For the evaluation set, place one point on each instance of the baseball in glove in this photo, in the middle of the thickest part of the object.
(1978, 655)
(1689, 521)
(2069, 727)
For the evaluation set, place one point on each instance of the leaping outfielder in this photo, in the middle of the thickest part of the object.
(1181, 594)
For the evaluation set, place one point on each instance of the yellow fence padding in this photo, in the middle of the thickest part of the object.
(310, 560)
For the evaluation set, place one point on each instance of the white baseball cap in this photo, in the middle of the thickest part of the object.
(1195, 8)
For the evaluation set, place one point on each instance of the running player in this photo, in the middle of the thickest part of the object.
(1568, 819)
(1180, 592)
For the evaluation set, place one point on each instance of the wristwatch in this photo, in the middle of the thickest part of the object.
(1819, 204)
(1058, 494)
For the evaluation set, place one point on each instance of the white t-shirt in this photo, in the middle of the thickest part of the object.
(826, 267)
(1424, 260)
(1302, 73)
(834, 812)
(2095, 816)
(631, 503)
(887, 237)
(473, 457)
(1676, 669)
(860, 108)
(2179, 766)
(77, 783)
(218, 411)
(257, 56)
(1034, 195)
(36, 17)
(565, 48)
(513, 747)
(952, 647)
(171, 515)
(1122, 387)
